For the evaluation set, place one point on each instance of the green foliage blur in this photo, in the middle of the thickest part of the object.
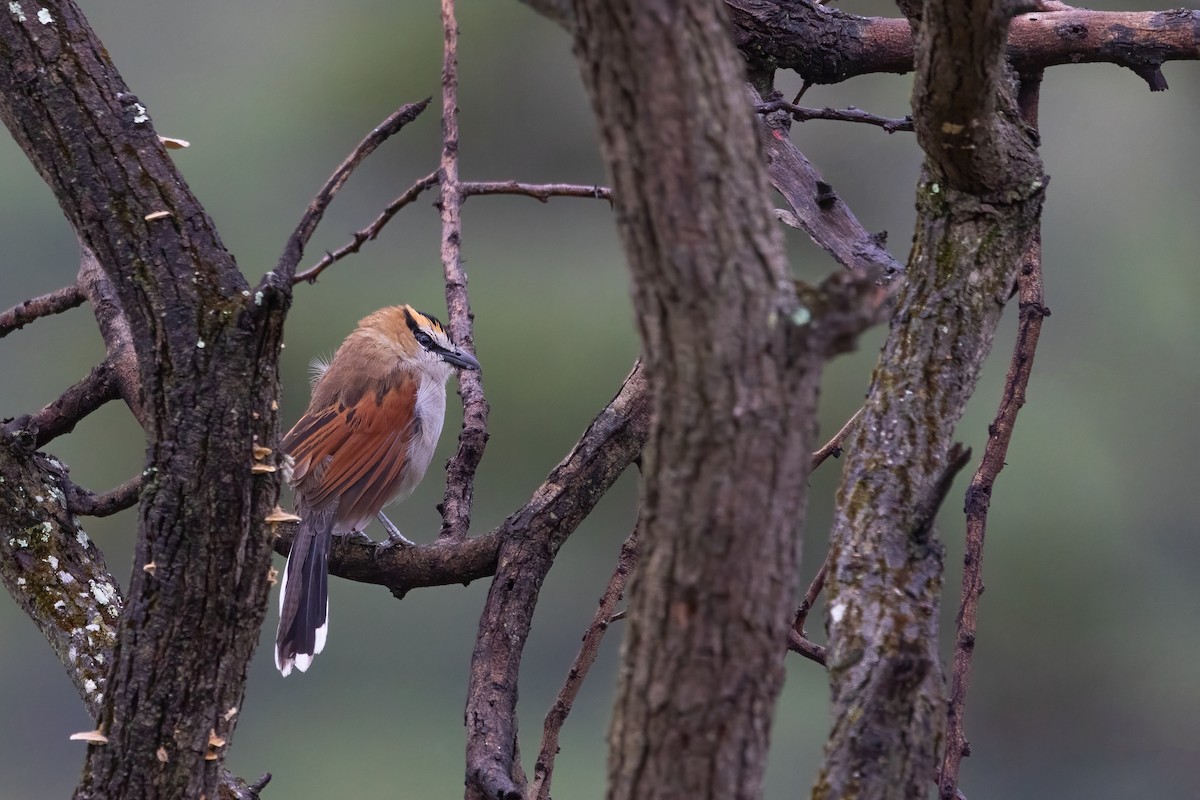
(1085, 683)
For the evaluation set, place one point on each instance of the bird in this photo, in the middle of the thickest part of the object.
(365, 441)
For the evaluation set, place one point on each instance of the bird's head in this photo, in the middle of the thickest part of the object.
(416, 338)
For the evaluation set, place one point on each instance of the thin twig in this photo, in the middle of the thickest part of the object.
(460, 470)
(979, 493)
(370, 232)
(293, 251)
(55, 302)
(541, 192)
(543, 769)
(834, 446)
(810, 598)
(850, 114)
(81, 501)
(810, 650)
(61, 416)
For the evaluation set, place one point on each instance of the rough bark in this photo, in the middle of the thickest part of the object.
(978, 203)
(207, 355)
(733, 389)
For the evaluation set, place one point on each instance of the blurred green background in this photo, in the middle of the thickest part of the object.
(1086, 681)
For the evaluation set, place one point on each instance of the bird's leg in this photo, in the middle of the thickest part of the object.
(394, 538)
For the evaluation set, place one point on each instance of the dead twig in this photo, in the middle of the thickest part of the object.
(55, 302)
(979, 493)
(541, 192)
(543, 768)
(61, 416)
(850, 114)
(81, 501)
(460, 470)
(293, 251)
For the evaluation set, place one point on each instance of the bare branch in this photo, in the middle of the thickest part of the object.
(797, 643)
(81, 501)
(611, 443)
(55, 302)
(979, 493)
(371, 231)
(543, 769)
(834, 446)
(460, 470)
(54, 572)
(818, 211)
(825, 45)
(851, 114)
(114, 327)
(61, 416)
(541, 192)
(525, 557)
(293, 251)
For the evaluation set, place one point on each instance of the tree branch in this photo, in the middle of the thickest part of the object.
(543, 770)
(979, 493)
(293, 251)
(526, 555)
(825, 45)
(541, 192)
(851, 114)
(80, 400)
(54, 572)
(460, 470)
(55, 302)
(818, 211)
(85, 503)
(371, 231)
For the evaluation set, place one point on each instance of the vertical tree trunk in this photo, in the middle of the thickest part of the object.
(207, 350)
(978, 202)
(733, 389)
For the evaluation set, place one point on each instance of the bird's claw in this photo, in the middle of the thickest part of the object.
(394, 539)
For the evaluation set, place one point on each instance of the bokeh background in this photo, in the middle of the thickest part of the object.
(1086, 681)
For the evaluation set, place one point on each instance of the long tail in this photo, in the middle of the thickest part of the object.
(304, 595)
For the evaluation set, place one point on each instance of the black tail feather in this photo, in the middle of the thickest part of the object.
(304, 599)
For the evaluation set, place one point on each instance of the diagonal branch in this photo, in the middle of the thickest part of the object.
(818, 211)
(61, 416)
(543, 769)
(293, 251)
(371, 231)
(525, 557)
(460, 471)
(55, 302)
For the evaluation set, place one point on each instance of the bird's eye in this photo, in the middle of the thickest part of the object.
(424, 339)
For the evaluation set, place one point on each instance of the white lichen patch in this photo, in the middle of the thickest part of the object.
(15, 10)
(44, 16)
(89, 686)
(258, 298)
(103, 592)
(60, 605)
(66, 577)
(39, 498)
(82, 538)
(52, 561)
(20, 581)
(141, 115)
(72, 654)
(200, 344)
(837, 611)
(92, 627)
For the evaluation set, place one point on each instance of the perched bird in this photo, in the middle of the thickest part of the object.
(365, 441)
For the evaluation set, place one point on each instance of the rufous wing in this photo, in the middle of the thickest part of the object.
(355, 453)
